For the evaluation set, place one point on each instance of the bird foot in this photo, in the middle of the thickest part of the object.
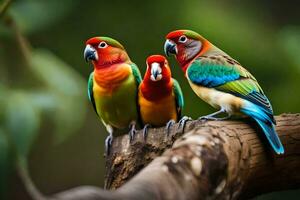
(108, 144)
(213, 118)
(169, 125)
(145, 131)
(132, 132)
(182, 122)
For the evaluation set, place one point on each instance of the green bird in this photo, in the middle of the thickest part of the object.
(222, 82)
(113, 86)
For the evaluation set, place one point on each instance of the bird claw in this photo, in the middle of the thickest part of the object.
(213, 118)
(132, 132)
(183, 121)
(145, 131)
(203, 118)
(168, 125)
(108, 144)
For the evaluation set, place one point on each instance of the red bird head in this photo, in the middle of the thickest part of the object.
(104, 52)
(158, 70)
(185, 45)
(157, 79)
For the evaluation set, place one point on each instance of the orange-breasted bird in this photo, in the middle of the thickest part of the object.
(160, 97)
(113, 86)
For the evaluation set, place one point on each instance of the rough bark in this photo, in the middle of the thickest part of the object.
(248, 152)
(212, 160)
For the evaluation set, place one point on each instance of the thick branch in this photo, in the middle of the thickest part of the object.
(248, 156)
(216, 160)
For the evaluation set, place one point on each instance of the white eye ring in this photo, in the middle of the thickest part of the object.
(182, 39)
(102, 45)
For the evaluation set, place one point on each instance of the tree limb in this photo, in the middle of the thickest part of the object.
(212, 160)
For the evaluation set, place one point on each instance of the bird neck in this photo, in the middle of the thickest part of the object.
(154, 91)
(185, 63)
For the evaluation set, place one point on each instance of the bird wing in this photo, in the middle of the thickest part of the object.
(138, 79)
(227, 75)
(91, 92)
(136, 73)
(178, 97)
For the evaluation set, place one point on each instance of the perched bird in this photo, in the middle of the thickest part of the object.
(113, 86)
(160, 97)
(222, 82)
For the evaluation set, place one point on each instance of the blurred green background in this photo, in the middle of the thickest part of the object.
(46, 121)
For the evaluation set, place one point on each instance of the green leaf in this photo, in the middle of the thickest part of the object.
(22, 122)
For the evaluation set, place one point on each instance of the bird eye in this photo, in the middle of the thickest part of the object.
(102, 45)
(182, 39)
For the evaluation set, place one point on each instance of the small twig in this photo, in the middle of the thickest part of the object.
(11, 23)
(23, 172)
(23, 43)
(4, 7)
(21, 40)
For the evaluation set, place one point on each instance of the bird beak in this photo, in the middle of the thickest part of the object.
(90, 53)
(170, 48)
(156, 72)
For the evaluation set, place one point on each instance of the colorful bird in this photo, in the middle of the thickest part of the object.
(113, 86)
(222, 82)
(160, 97)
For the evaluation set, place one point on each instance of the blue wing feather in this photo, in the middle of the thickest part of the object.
(211, 75)
(260, 100)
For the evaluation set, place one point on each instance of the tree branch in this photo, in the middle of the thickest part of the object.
(212, 160)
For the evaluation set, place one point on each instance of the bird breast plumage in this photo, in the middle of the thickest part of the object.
(218, 99)
(158, 113)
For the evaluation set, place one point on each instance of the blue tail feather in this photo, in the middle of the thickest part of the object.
(272, 136)
(266, 124)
